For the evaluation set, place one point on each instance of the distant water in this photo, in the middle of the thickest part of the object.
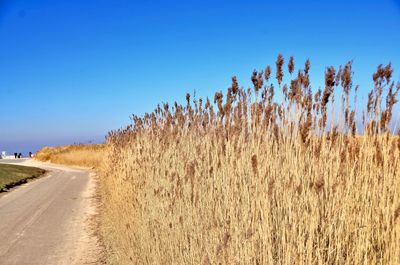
(25, 148)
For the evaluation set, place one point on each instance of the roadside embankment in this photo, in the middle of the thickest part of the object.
(73, 155)
(12, 175)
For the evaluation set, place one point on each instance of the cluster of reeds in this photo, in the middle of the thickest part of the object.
(274, 174)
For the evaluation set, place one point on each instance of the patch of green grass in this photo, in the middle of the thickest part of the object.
(12, 175)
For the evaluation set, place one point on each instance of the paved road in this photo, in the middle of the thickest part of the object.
(47, 221)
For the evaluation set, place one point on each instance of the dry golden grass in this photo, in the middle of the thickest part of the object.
(73, 155)
(257, 181)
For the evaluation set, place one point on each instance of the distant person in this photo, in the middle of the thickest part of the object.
(15, 155)
(30, 154)
(19, 155)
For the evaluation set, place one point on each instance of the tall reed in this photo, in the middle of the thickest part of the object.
(274, 174)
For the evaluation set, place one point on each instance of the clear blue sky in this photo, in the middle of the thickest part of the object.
(70, 71)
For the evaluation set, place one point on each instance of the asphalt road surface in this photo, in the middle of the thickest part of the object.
(49, 220)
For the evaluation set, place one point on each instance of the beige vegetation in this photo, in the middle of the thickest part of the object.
(89, 155)
(250, 179)
(253, 180)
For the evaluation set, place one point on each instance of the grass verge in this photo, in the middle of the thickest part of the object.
(12, 175)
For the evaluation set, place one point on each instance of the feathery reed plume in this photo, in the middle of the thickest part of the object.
(329, 85)
(279, 65)
(346, 78)
(291, 65)
(267, 73)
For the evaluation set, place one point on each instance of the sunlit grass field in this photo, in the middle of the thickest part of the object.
(90, 155)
